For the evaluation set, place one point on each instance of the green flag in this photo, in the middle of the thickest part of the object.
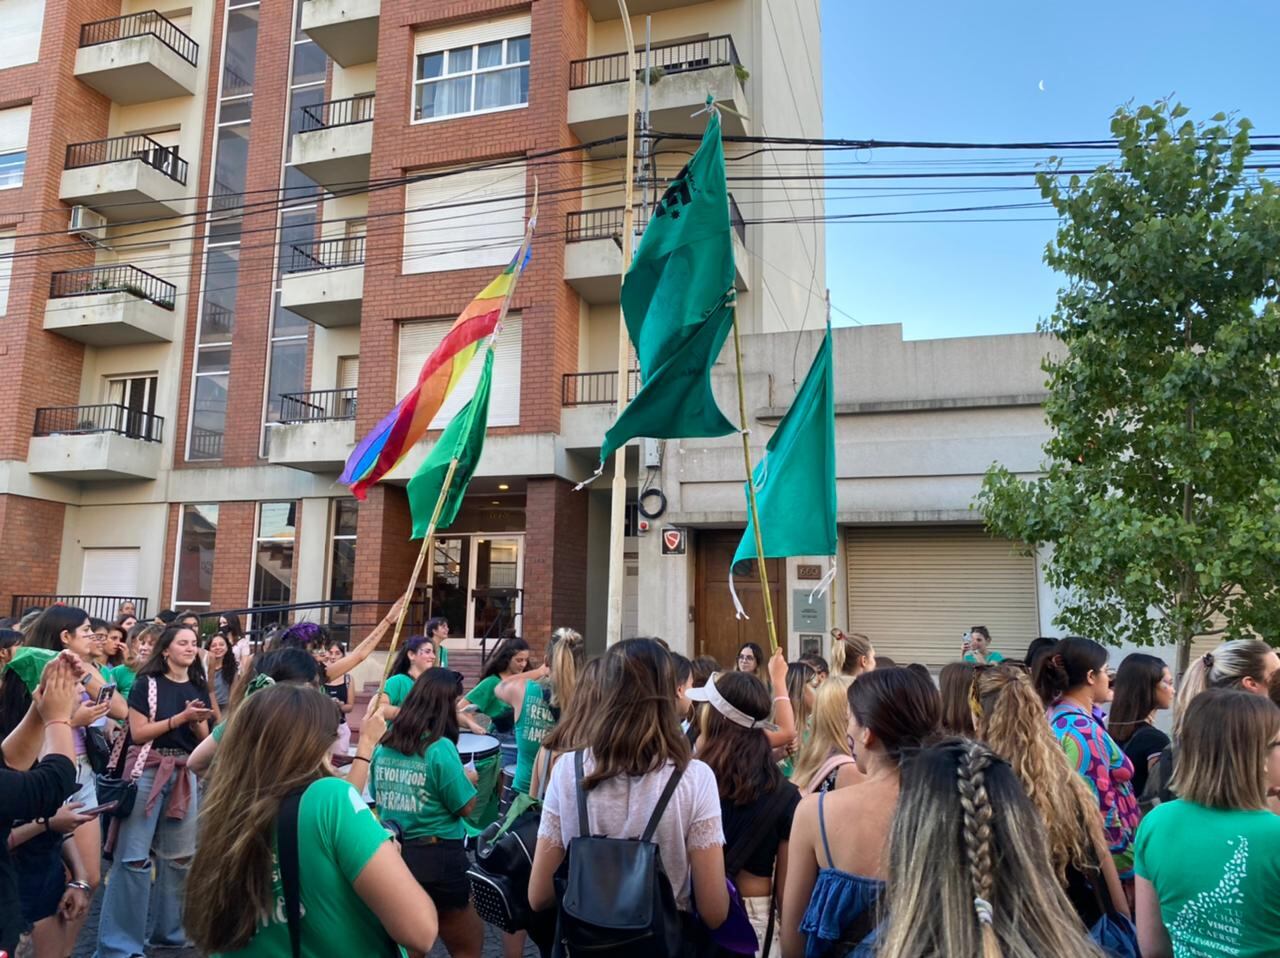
(678, 299)
(796, 480)
(463, 438)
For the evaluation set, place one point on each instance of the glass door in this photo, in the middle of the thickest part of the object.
(450, 581)
(495, 594)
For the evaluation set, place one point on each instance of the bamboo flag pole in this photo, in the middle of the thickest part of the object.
(453, 464)
(751, 493)
(618, 501)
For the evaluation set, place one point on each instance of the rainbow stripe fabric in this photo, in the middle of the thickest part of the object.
(390, 441)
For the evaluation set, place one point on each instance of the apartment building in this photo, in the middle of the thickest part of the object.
(230, 232)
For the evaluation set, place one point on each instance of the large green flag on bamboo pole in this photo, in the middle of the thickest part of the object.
(462, 439)
(795, 482)
(678, 300)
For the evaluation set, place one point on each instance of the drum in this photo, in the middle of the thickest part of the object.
(485, 752)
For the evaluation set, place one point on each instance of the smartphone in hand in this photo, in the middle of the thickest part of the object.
(99, 809)
(105, 693)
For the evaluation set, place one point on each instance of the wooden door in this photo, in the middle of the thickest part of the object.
(717, 632)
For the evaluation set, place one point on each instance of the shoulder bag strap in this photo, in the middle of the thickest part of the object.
(661, 807)
(145, 750)
(584, 822)
(839, 760)
(755, 832)
(290, 877)
(822, 829)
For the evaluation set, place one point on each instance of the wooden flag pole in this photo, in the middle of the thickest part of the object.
(618, 503)
(453, 464)
(751, 493)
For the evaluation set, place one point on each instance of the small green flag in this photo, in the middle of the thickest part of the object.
(678, 300)
(463, 438)
(796, 480)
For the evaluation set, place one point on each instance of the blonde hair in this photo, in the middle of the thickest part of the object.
(847, 653)
(1226, 666)
(565, 656)
(829, 732)
(1223, 750)
(997, 898)
(1009, 718)
(275, 744)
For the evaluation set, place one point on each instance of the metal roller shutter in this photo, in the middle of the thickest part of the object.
(916, 590)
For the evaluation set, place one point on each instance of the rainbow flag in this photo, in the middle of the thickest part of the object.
(390, 441)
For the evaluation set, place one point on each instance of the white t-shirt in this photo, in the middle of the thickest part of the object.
(621, 806)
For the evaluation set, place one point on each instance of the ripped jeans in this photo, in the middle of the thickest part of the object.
(122, 930)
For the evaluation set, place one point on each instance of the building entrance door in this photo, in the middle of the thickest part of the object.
(476, 583)
(716, 630)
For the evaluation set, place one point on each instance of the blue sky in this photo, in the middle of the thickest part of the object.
(971, 72)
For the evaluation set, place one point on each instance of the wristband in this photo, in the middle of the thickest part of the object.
(782, 698)
(78, 883)
(66, 722)
(170, 723)
(360, 758)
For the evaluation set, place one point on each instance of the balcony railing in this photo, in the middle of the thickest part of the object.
(144, 23)
(583, 225)
(105, 607)
(331, 113)
(319, 405)
(136, 146)
(670, 57)
(325, 254)
(594, 389)
(104, 417)
(205, 443)
(113, 279)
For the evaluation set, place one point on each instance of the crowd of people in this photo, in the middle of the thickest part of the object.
(649, 804)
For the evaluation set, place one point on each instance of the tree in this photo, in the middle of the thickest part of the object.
(1161, 491)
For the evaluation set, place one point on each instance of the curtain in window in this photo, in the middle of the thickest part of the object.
(502, 88)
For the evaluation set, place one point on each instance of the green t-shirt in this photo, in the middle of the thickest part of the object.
(423, 794)
(124, 677)
(992, 658)
(398, 688)
(337, 835)
(535, 721)
(1216, 874)
(219, 730)
(442, 657)
(484, 698)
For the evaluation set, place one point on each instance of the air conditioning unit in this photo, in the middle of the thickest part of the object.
(85, 222)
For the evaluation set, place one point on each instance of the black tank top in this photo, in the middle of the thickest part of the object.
(339, 694)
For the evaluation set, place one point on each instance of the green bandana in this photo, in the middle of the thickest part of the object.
(30, 664)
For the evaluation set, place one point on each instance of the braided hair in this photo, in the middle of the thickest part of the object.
(975, 805)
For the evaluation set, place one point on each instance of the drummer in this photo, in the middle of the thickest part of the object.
(418, 781)
(415, 657)
(509, 662)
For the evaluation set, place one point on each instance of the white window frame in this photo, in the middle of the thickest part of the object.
(14, 150)
(475, 71)
(335, 537)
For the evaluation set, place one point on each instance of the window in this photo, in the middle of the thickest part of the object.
(273, 560)
(342, 567)
(464, 219)
(476, 68)
(7, 239)
(20, 38)
(193, 569)
(13, 145)
(138, 395)
(419, 337)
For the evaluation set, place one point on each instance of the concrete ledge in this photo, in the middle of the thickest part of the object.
(594, 268)
(327, 297)
(347, 30)
(109, 319)
(94, 456)
(136, 70)
(337, 156)
(126, 190)
(312, 446)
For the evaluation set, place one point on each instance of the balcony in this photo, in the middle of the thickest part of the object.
(596, 389)
(608, 9)
(125, 178)
(684, 73)
(324, 281)
(110, 306)
(347, 30)
(105, 607)
(102, 442)
(593, 251)
(137, 58)
(316, 430)
(334, 143)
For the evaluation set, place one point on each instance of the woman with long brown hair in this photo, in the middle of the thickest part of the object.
(357, 897)
(1143, 686)
(635, 749)
(1009, 717)
(954, 683)
(969, 872)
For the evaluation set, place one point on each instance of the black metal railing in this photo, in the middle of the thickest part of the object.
(135, 146)
(205, 443)
(144, 23)
(218, 319)
(331, 113)
(325, 254)
(103, 417)
(583, 225)
(681, 57)
(319, 405)
(594, 389)
(104, 607)
(113, 279)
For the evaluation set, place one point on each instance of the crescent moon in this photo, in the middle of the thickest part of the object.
(1041, 86)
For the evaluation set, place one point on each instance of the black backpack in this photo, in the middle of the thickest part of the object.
(614, 894)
